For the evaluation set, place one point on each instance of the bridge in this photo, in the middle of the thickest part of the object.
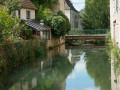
(87, 34)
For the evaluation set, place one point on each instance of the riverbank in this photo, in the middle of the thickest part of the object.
(14, 55)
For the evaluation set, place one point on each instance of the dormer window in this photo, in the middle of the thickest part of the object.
(28, 15)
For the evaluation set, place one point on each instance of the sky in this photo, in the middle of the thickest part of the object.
(78, 4)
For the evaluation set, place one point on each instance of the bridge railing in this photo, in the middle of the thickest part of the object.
(88, 31)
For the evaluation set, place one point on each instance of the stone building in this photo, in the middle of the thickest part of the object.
(73, 15)
(115, 21)
(27, 13)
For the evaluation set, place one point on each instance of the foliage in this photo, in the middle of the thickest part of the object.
(39, 51)
(96, 14)
(108, 37)
(99, 68)
(98, 42)
(2, 65)
(45, 3)
(58, 26)
(42, 13)
(9, 28)
(76, 42)
(15, 54)
(68, 25)
(26, 33)
(12, 5)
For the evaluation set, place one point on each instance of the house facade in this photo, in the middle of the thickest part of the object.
(73, 15)
(27, 13)
(115, 21)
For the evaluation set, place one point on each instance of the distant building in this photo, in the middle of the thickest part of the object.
(115, 21)
(73, 15)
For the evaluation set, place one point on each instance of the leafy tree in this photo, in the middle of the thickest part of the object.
(45, 3)
(68, 25)
(9, 28)
(12, 5)
(42, 13)
(96, 14)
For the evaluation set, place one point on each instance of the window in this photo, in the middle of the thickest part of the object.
(28, 15)
(19, 14)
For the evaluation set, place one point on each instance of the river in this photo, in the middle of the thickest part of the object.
(65, 69)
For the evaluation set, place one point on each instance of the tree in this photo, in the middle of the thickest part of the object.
(12, 5)
(45, 3)
(9, 28)
(42, 13)
(96, 14)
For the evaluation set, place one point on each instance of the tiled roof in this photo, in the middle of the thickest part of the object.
(70, 5)
(37, 26)
(28, 5)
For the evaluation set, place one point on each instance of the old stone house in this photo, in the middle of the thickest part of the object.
(115, 21)
(68, 9)
(27, 13)
(73, 15)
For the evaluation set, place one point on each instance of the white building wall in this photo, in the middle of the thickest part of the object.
(23, 13)
(80, 23)
(67, 13)
(115, 21)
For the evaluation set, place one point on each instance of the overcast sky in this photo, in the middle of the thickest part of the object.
(79, 4)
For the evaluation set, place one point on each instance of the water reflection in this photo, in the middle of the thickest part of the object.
(62, 69)
(115, 73)
(91, 71)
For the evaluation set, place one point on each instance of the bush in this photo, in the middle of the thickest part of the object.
(15, 54)
(68, 25)
(58, 26)
(39, 51)
(26, 33)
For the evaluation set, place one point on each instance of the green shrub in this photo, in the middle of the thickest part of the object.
(26, 33)
(68, 25)
(2, 65)
(58, 26)
(39, 51)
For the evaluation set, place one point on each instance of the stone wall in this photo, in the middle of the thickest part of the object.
(55, 42)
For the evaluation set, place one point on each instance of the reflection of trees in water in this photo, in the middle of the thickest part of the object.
(117, 67)
(54, 78)
(74, 55)
(98, 68)
(51, 78)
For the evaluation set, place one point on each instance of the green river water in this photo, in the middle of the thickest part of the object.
(65, 69)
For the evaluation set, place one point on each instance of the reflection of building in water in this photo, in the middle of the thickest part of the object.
(27, 82)
(57, 50)
(74, 55)
(115, 78)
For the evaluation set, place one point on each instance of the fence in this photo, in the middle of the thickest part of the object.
(88, 31)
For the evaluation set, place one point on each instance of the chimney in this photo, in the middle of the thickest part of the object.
(42, 22)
